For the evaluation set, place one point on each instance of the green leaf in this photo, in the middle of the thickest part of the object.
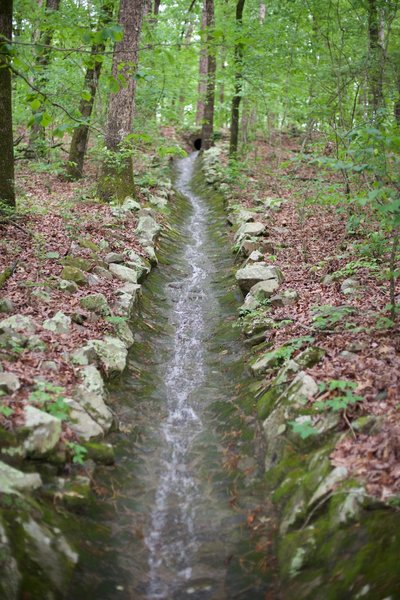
(304, 428)
(35, 104)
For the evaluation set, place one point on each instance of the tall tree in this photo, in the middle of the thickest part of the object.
(80, 137)
(237, 95)
(7, 192)
(376, 56)
(117, 173)
(202, 85)
(207, 133)
(42, 62)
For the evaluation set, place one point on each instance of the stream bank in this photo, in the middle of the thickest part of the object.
(335, 539)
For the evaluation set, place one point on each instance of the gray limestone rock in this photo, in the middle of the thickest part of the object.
(70, 287)
(81, 422)
(250, 275)
(6, 305)
(60, 323)
(43, 432)
(114, 257)
(285, 298)
(18, 323)
(147, 229)
(96, 303)
(9, 383)
(13, 481)
(124, 273)
(91, 395)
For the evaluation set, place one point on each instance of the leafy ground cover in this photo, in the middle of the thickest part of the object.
(337, 260)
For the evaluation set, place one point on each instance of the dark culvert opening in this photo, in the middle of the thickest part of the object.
(197, 144)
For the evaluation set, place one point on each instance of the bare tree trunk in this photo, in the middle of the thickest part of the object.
(376, 57)
(7, 192)
(41, 64)
(237, 96)
(202, 85)
(208, 118)
(117, 174)
(80, 136)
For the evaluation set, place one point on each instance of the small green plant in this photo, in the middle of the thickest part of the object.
(78, 452)
(51, 397)
(6, 411)
(287, 350)
(351, 267)
(327, 316)
(339, 402)
(303, 427)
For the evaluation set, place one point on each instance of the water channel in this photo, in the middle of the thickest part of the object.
(174, 522)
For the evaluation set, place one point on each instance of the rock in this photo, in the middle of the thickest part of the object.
(60, 323)
(75, 493)
(50, 552)
(263, 290)
(302, 388)
(159, 201)
(36, 343)
(9, 383)
(6, 305)
(328, 279)
(136, 262)
(70, 287)
(10, 577)
(111, 353)
(91, 395)
(350, 287)
(310, 357)
(81, 422)
(93, 280)
(245, 216)
(249, 230)
(75, 275)
(114, 257)
(86, 355)
(130, 204)
(329, 483)
(102, 273)
(78, 318)
(123, 273)
(13, 481)
(44, 432)
(252, 274)
(264, 364)
(18, 323)
(147, 229)
(82, 264)
(255, 256)
(50, 365)
(102, 454)
(41, 296)
(150, 252)
(369, 424)
(126, 299)
(90, 244)
(285, 298)
(123, 331)
(96, 303)
(348, 356)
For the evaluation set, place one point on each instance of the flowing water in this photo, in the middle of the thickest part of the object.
(175, 524)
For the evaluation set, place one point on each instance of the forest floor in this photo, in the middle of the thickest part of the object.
(312, 239)
(318, 245)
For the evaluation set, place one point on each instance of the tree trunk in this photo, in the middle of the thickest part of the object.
(7, 192)
(202, 86)
(208, 117)
(37, 136)
(237, 96)
(80, 136)
(117, 174)
(376, 58)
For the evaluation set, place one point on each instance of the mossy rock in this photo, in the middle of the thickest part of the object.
(268, 400)
(74, 274)
(102, 454)
(78, 263)
(310, 357)
(85, 243)
(96, 303)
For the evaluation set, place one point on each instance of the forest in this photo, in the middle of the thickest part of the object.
(199, 305)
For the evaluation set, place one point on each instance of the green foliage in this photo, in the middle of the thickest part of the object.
(287, 350)
(50, 397)
(327, 316)
(6, 411)
(303, 427)
(338, 402)
(78, 451)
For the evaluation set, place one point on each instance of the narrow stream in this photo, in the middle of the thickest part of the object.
(174, 524)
